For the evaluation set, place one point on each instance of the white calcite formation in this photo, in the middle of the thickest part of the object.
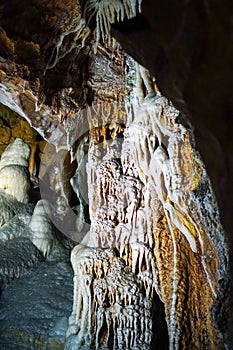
(148, 236)
(108, 295)
(107, 13)
(16, 153)
(14, 174)
(79, 184)
(15, 209)
(41, 228)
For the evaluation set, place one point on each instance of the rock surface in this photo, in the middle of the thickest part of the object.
(35, 308)
(74, 95)
(187, 46)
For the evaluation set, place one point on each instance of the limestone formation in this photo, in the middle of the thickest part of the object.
(147, 218)
(106, 286)
(13, 126)
(107, 14)
(17, 153)
(41, 228)
(8, 208)
(152, 267)
(79, 184)
(14, 177)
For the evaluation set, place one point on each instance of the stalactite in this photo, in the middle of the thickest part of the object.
(144, 236)
(174, 176)
(79, 184)
(115, 291)
(107, 13)
(80, 33)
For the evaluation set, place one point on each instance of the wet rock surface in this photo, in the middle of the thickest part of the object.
(35, 308)
(16, 257)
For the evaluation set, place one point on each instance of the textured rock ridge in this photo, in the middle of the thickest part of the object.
(147, 216)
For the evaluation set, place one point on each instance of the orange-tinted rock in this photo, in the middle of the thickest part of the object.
(149, 184)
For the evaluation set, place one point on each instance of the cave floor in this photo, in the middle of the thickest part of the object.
(35, 308)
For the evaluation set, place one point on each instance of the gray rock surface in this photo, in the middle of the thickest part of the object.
(16, 256)
(35, 308)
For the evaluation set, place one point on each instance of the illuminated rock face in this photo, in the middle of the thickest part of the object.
(13, 126)
(152, 228)
(122, 311)
(155, 225)
(14, 175)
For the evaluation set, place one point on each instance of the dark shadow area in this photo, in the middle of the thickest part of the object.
(160, 340)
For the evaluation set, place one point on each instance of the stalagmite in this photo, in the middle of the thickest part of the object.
(16, 153)
(14, 174)
(41, 228)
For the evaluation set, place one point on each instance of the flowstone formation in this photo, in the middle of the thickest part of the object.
(151, 270)
(152, 234)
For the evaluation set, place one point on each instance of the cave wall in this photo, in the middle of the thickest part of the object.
(148, 213)
(71, 86)
(192, 55)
